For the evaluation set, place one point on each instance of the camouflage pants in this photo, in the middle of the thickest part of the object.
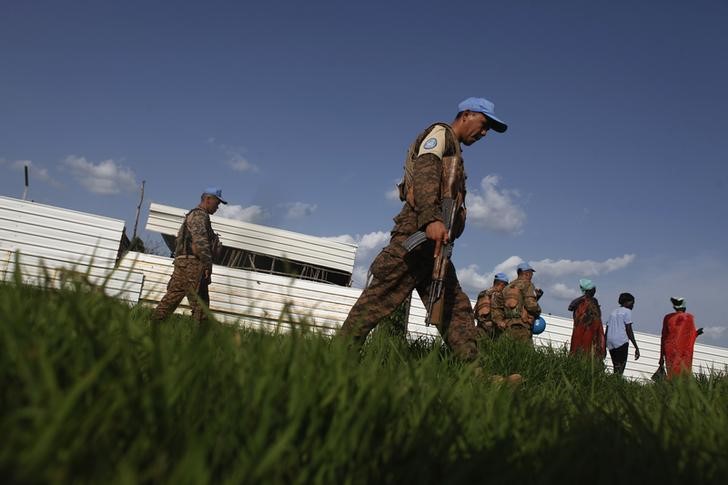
(488, 329)
(187, 280)
(519, 331)
(395, 274)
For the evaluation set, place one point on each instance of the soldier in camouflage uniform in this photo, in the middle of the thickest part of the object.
(483, 317)
(516, 307)
(395, 272)
(193, 256)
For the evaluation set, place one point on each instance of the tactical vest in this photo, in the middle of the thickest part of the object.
(406, 186)
(513, 307)
(482, 305)
(183, 244)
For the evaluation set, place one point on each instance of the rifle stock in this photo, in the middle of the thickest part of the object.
(436, 299)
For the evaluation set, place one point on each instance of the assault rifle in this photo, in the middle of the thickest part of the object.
(451, 194)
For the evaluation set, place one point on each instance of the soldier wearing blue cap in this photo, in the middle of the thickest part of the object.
(516, 307)
(396, 272)
(196, 247)
(483, 317)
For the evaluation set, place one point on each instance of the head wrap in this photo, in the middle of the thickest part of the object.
(586, 285)
(678, 302)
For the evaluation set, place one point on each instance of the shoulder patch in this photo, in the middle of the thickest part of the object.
(430, 143)
(434, 142)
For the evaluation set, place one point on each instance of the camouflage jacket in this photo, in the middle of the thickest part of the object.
(195, 237)
(526, 309)
(426, 180)
(484, 305)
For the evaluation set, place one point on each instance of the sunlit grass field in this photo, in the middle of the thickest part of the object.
(91, 392)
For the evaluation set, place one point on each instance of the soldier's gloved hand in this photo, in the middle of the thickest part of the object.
(539, 293)
(700, 331)
(208, 276)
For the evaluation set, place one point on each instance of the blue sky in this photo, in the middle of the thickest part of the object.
(613, 167)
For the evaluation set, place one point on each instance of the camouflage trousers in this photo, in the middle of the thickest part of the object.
(187, 281)
(395, 273)
(488, 329)
(518, 331)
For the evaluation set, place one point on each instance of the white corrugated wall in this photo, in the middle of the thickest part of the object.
(253, 299)
(49, 240)
(259, 239)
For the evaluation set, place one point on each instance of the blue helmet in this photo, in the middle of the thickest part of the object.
(538, 326)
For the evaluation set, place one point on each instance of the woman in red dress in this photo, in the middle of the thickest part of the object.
(678, 340)
(588, 333)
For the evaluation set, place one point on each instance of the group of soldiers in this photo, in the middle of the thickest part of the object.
(509, 308)
(395, 272)
(506, 309)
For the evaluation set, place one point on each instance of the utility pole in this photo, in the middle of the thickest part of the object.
(25, 190)
(139, 207)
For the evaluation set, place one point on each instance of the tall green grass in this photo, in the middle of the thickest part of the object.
(91, 392)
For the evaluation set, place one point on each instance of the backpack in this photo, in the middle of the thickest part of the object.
(512, 302)
(482, 305)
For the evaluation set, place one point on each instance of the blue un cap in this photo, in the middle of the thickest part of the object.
(215, 192)
(501, 277)
(482, 105)
(525, 267)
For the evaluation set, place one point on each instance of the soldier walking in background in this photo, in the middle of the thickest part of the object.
(483, 317)
(587, 335)
(516, 307)
(619, 332)
(195, 248)
(396, 272)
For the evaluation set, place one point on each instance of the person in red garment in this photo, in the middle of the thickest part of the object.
(678, 340)
(588, 334)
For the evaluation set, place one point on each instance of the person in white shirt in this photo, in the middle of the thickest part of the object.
(619, 333)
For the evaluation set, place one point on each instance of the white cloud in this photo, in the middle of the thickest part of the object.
(235, 158)
(344, 238)
(562, 292)
(393, 193)
(105, 178)
(547, 273)
(495, 209)
(508, 267)
(35, 171)
(299, 210)
(359, 276)
(373, 241)
(470, 278)
(253, 213)
(474, 282)
(715, 333)
(240, 164)
(566, 267)
(368, 246)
